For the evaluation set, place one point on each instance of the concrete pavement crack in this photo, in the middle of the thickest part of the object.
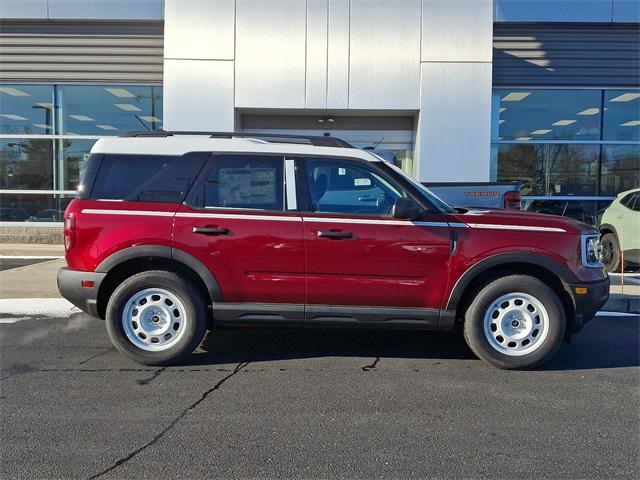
(169, 427)
(146, 381)
(368, 368)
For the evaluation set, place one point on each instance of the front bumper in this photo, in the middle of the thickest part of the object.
(588, 298)
(74, 286)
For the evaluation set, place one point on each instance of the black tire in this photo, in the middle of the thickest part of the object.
(610, 252)
(194, 324)
(474, 330)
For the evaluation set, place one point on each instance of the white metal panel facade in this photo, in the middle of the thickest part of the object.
(211, 32)
(270, 53)
(200, 95)
(317, 45)
(338, 54)
(384, 67)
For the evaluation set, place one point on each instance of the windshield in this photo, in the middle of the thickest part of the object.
(440, 204)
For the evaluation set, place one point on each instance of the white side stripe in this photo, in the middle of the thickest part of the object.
(530, 228)
(232, 216)
(282, 218)
(146, 213)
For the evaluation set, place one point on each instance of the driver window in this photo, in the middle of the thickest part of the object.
(349, 187)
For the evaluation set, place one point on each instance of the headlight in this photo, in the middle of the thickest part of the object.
(591, 250)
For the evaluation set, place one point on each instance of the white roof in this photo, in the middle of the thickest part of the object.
(181, 144)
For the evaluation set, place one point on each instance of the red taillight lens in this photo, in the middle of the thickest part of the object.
(512, 200)
(69, 231)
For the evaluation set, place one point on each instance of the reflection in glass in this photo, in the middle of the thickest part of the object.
(26, 164)
(622, 115)
(33, 207)
(550, 169)
(530, 114)
(26, 109)
(72, 158)
(109, 109)
(620, 168)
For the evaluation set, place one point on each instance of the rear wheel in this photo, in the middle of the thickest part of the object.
(156, 318)
(610, 252)
(515, 322)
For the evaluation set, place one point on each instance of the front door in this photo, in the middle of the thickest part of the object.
(241, 226)
(357, 254)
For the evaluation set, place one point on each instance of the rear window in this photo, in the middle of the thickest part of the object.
(146, 178)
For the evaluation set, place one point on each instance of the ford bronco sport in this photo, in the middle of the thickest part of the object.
(174, 234)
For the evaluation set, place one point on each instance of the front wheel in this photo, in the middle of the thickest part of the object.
(156, 318)
(515, 322)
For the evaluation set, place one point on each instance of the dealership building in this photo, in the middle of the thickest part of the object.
(544, 92)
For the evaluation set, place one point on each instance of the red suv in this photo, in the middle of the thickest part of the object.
(174, 234)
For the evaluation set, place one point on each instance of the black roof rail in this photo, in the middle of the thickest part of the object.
(268, 137)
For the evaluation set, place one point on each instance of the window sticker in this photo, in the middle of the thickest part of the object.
(244, 186)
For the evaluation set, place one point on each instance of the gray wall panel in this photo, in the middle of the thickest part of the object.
(458, 31)
(23, 9)
(564, 56)
(384, 69)
(201, 29)
(626, 11)
(316, 67)
(106, 9)
(127, 52)
(270, 53)
(338, 54)
(553, 10)
(198, 95)
(454, 128)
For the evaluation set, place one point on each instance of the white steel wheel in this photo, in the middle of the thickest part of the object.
(154, 319)
(516, 324)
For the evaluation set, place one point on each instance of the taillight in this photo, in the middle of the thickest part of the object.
(512, 200)
(69, 231)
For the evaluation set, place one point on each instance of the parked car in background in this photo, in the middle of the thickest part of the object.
(620, 229)
(12, 214)
(46, 215)
(586, 209)
(478, 194)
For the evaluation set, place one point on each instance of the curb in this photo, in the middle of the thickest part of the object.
(622, 304)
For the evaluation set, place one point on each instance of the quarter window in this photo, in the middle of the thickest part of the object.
(349, 188)
(254, 182)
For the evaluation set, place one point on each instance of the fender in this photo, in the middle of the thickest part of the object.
(141, 251)
(563, 273)
(607, 226)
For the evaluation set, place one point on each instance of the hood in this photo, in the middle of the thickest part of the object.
(521, 220)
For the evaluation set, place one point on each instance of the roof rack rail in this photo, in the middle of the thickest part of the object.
(268, 137)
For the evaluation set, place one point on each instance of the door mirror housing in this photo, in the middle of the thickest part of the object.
(406, 209)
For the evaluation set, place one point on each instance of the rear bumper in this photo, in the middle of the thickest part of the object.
(70, 286)
(588, 303)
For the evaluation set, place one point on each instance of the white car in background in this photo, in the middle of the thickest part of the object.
(620, 229)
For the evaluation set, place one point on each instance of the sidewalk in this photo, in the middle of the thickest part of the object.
(39, 281)
(31, 250)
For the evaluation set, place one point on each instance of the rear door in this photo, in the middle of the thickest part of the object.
(357, 254)
(240, 223)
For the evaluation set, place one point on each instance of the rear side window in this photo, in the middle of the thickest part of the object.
(244, 181)
(146, 178)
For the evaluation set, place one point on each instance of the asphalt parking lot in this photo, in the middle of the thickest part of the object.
(315, 403)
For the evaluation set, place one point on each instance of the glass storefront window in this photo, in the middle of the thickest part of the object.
(550, 169)
(620, 168)
(109, 109)
(29, 207)
(26, 164)
(529, 114)
(26, 109)
(622, 115)
(72, 158)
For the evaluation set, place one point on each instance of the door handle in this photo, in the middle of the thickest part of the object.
(211, 231)
(334, 234)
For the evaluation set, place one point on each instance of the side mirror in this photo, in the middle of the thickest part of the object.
(406, 208)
